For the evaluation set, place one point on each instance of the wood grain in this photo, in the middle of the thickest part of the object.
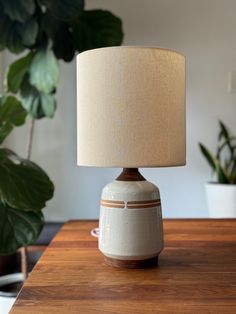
(196, 274)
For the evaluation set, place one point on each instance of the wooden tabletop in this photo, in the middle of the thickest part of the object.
(196, 274)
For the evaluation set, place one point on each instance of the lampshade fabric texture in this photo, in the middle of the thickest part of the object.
(131, 107)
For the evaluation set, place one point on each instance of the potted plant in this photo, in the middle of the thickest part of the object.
(45, 31)
(221, 192)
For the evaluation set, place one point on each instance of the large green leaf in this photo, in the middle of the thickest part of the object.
(59, 32)
(64, 9)
(23, 184)
(29, 32)
(10, 36)
(16, 72)
(18, 228)
(37, 104)
(95, 29)
(15, 35)
(44, 71)
(48, 104)
(11, 114)
(19, 10)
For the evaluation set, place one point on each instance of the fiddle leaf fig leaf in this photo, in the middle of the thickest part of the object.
(56, 30)
(29, 32)
(16, 73)
(36, 103)
(11, 114)
(19, 10)
(23, 184)
(44, 71)
(64, 9)
(48, 104)
(10, 35)
(18, 228)
(95, 29)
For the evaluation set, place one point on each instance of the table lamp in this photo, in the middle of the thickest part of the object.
(131, 114)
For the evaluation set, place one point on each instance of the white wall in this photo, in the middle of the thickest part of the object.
(205, 31)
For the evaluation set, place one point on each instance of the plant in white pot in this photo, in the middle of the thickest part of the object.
(221, 192)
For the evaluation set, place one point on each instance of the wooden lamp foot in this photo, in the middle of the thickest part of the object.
(134, 264)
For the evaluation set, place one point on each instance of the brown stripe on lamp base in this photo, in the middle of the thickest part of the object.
(147, 205)
(131, 204)
(112, 204)
(146, 263)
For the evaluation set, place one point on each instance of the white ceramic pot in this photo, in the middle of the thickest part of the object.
(10, 279)
(221, 199)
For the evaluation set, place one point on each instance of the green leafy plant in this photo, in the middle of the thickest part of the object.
(44, 31)
(223, 163)
(49, 30)
(24, 187)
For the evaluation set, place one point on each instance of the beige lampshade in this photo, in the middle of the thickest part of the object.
(131, 107)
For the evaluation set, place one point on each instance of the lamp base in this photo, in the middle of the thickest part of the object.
(146, 263)
(131, 232)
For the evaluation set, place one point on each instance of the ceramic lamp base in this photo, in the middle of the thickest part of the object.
(131, 232)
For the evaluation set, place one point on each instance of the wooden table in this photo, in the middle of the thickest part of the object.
(196, 274)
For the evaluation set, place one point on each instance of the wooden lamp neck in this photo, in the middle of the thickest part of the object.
(130, 174)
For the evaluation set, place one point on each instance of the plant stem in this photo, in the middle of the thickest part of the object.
(23, 250)
(30, 139)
